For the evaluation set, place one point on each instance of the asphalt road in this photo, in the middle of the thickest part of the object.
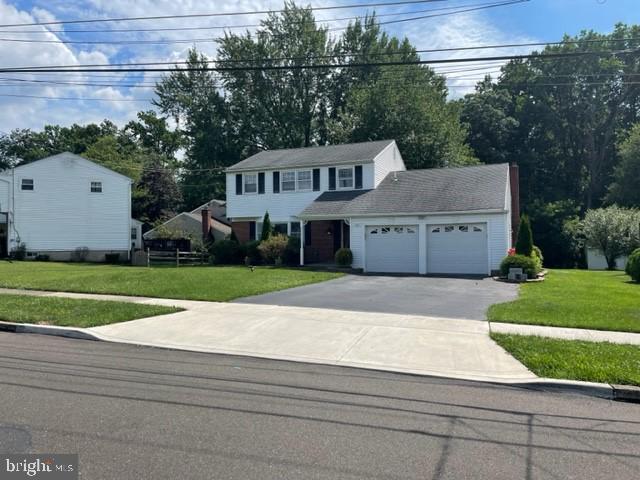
(467, 298)
(142, 413)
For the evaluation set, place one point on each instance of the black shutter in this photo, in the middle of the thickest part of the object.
(307, 234)
(238, 184)
(358, 170)
(261, 182)
(332, 178)
(316, 179)
(276, 182)
(252, 231)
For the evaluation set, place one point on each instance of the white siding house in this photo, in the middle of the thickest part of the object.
(448, 221)
(65, 202)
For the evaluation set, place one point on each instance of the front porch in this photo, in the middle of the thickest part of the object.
(321, 239)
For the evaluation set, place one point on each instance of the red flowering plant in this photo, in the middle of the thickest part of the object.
(511, 252)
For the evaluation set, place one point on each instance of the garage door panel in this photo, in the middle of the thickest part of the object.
(457, 249)
(392, 248)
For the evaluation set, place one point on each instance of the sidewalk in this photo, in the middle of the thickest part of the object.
(403, 343)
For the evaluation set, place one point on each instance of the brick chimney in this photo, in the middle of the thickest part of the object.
(206, 223)
(514, 182)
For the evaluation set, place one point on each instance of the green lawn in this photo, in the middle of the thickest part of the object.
(192, 283)
(575, 360)
(69, 312)
(576, 298)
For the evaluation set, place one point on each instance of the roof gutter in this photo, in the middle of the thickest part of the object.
(408, 214)
(294, 167)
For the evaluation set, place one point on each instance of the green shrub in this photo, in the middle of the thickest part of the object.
(273, 248)
(529, 265)
(524, 242)
(20, 253)
(633, 265)
(344, 257)
(537, 252)
(226, 252)
(267, 229)
(112, 258)
(251, 252)
(291, 256)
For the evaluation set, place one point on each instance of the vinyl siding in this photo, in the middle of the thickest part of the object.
(283, 206)
(498, 241)
(4, 195)
(389, 160)
(61, 213)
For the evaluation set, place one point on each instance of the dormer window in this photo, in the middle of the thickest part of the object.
(345, 178)
(250, 183)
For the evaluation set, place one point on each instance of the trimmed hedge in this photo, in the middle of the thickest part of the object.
(344, 257)
(226, 252)
(529, 265)
(633, 265)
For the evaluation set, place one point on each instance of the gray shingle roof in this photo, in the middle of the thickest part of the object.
(313, 156)
(476, 188)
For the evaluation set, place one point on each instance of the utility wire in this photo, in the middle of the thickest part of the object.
(220, 14)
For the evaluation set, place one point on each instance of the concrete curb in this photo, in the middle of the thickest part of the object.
(625, 393)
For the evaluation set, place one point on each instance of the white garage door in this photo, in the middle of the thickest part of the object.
(392, 248)
(458, 249)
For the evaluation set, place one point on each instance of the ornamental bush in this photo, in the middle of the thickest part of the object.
(291, 256)
(344, 257)
(538, 253)
(273, 248)
(633, 265)
(524, 242)
(529, 265)
(226, 252)
(251, 252)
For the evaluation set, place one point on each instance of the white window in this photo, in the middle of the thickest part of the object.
(385, 230)
(96, 187)
(294, 229)
(398, 229)
(288, 182)
(345, 177)
(463, 228)
(250, 183)
(409, 229)
(134, 233)
(27, 184)
(449, 228)
(304, 180)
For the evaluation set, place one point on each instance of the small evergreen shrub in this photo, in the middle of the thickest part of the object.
(344, 257)
(291, 256)
(633, 265)
(538, 253)
(529, 265)
(273, 248)
(267, 229)
(226, 252)
(20, 253)
(524, 242)
(252, 252)
(112, 258)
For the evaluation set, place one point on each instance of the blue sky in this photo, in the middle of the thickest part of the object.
(536, 20)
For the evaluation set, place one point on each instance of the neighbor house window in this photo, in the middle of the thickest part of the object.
(294, 228)
(250, 183)
(134, 233)
(27, 184)
(345, 178)
(280, 228)
(304, 180)
(288, 181)
(96, 187)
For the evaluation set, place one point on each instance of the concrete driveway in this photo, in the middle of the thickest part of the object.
(466, 298)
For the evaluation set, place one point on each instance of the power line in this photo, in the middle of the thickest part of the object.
(220, 14)
(323, 66)
(216, 40)
(77, 98)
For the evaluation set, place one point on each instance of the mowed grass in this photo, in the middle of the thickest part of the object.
(69, 312)
(191, 283)
(575, 298)
(575, 360)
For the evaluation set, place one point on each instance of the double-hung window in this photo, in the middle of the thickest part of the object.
(304, 179)
(345, 178)
(27, 184)
(96, 187)
(288, 182)
(250, 183)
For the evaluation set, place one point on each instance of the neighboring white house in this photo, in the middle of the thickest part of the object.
(434, 221)
(65, 202)
(596, 260)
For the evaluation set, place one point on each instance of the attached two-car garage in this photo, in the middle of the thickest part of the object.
(450, 248)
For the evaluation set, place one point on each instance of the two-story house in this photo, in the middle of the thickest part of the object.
(434, 221)
(65, 202)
